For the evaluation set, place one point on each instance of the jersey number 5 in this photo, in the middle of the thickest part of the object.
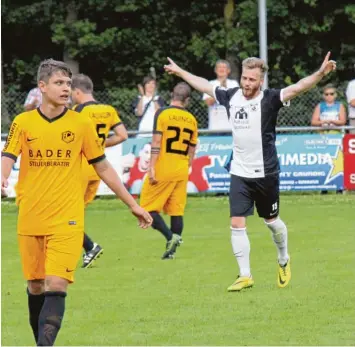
(101, 135)
(183, 144)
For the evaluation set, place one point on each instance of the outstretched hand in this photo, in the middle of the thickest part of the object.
(328, 65)
(172, 68)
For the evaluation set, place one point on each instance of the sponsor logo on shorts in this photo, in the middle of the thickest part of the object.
(67, 270)
(72, 222)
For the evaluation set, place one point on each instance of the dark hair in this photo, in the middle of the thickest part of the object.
(48, 67)
(148, 79)
(181, 92)
(82, 82)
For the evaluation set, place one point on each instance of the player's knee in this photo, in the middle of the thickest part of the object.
(55, 284)
(271, 220)
(35, 287)
(276, 225)
(238, 222)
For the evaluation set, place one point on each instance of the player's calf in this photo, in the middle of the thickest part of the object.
(50, 318)
(279, 236)
(35, 302)
(177, 226)
(160, 225)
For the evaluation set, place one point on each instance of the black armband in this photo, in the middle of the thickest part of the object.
(155, 150)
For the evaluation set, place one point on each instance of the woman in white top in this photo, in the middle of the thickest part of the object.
(146, 104)
(217, 114)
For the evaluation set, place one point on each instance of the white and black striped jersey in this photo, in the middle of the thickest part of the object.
(253, 124)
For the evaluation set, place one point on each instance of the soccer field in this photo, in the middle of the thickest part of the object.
(131, 297)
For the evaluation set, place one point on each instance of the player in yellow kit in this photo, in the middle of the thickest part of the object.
(173, 148)
(52, 141)
(105, 118)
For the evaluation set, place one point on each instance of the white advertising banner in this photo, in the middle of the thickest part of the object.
(113, 154)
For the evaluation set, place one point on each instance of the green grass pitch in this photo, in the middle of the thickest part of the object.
(131, 297)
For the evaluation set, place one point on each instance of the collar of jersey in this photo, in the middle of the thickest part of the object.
(51, 120)
(178, 107)
(80, 107)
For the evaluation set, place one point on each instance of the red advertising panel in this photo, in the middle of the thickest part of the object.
(349, 161)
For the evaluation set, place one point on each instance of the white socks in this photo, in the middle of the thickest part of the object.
(279, 235)
(241, 250)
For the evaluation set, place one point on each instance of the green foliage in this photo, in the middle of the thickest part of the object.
(116, 42)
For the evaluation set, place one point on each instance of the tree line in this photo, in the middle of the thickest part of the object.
(117, 41)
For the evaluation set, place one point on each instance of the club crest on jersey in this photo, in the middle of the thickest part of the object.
(68, 136)
(254, 107)
(241, 118)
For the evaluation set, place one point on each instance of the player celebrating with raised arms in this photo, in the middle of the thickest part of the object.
(173, 149)
(254, 168)
(52, 140)
(105, 118)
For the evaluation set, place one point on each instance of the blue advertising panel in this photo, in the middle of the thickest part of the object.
(311, 162)
(308, 162)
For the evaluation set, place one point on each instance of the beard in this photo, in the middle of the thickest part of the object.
(250, 92)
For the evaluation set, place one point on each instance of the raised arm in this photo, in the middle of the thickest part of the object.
(198, 83)
(309, 82)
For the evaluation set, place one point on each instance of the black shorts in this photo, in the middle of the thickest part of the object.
(264, 192)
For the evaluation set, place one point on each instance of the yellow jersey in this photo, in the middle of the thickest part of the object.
(50, 178)
(178, 128)
(105, 118)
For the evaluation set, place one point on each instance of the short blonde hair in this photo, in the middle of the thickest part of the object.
(329, 86)
(253, 63)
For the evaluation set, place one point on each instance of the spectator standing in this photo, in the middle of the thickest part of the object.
(146, 104)
(33, 99)
(329, 112)
(217, 114)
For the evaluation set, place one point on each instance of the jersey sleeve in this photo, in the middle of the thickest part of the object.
(223, 96)
(275, 99)
(13, 145)
(158, 126)
(116, 120)
(92, 148)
